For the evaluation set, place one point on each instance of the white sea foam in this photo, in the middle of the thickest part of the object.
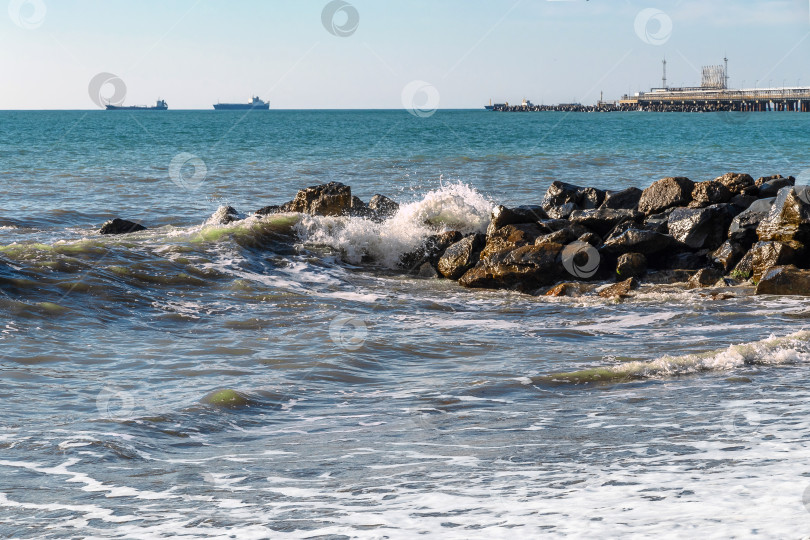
(451, 207)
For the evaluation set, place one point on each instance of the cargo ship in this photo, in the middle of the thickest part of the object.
(160, 105)
(254, 103)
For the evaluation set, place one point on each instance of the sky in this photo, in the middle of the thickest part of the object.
(316, 54)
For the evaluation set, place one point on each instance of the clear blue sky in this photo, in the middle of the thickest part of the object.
(193, 53)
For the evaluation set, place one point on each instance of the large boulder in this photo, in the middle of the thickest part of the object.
(666, 193)
(430, 251)
(638, 241)
(332, 199)
(728, 255)
(120, 226)
(382, 207)
(526, 269)
(705, 277)
(785, 280)
(619, 290)
(738, 184)
(561, 199)
(701, 228)
(631, 265)
(708, 193)
(743, 228)
(603, 220)
(626, 199)
(502, 216)
(511, 237)
(461, 256)
(765, 255)
(769, 187)
(789, 218)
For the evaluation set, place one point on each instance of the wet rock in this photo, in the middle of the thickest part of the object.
(562, 211)
(560, 193)
(603, 220)
(591, 238)
(566, 289)
(638, 241)
(631, 265)
(267, 210)
(511, 237)
(427, 271)
(563, 236)
(526, 269)
(626, 199)
(223, 216)
(686, 260)
(461, 256)
(708, 193)
(658, 222)
(705, 277)
(745, 268)
(619, 290)
(430, 251)
(700, 228)
(382, 207)
(502, 216)
(789, 218)
(120, 226)
(785, 280)
(770, 187)
(666, 193)
(359, 209)
(743, 228)
(561, 199)
(332, 199)
(668, 277)
(552, 225)
(226, 399)
(742, 202)
(738, 184)
(590, 198)
(769, 254)
(728, 255)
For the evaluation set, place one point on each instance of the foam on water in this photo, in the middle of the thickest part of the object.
(451, 207)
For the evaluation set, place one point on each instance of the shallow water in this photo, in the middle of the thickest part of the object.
(380, 405)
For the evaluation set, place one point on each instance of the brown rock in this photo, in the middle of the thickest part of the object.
(525, 268)
(666, 193)
(788, 220)
(785, 280)
(461, 256)
(619, 290)
(631, 265)
(705, 277)
(706, 193)
(738, 184)
(769, 254)
(332, 199)
(511, 237)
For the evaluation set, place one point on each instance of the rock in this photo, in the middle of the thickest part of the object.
(658, 222)
(427, 271)
(638, 241)
(668, 277)
(626, 199)
(631, 265)
(511, 237)
(789, 218)
(226, 399)
(223, 216)
(728, 255)
(666, 193)
(771, 187)
(561, 199)
(332, 199)
(382, 207)
(768, 254)
(686, 260)
(742, 202)
(590, 198)
(359, 209)
(563, 236)
(591, 238)
(581, 260)
(553, 225)
(502, 216)
(708, 193)
(461, 256)
(603, 220)
(562, 211)
(743, 228)
(526, 269)
(701, 228)
(705, 277)
(565, 289)
(738, 184)
(785, 280)
(744, 268)
(619, 290)
(120, 226)
(267, 210)
(430, 251)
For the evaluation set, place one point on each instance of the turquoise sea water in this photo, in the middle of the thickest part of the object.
(380, 405)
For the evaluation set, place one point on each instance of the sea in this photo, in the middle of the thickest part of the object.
(372, 403)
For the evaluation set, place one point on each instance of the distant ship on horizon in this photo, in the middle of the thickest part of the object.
(254, 103)
(160, 105)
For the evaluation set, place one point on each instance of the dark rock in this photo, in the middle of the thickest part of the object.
(745, 267)
(591, 238)
(383, 207)
(658, 222)
(686, 260)
(638, 241)
(511, 237)
(771, 187)
(738, 184)
(743, 202)
(789, 218)
(562, 211)
(267, 210)
(224, 215)
(708, 193)
(563, 236)
(590, 198)
(705, 277)
(332, 199)
(426, 270)
(461, 256)
(743, 228)
(631, 265)
(560, 289)
(728, 255)
(553, 225)
(560, 193)
(120, 226)
(666, 193)
(785, 280)
(626, 199)
(768, 254)
(359, 209)
(668, 277)
(525, 268)
(603, 220)
(502, 216)
(430, 251)
(619, 290)
(701, 228)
